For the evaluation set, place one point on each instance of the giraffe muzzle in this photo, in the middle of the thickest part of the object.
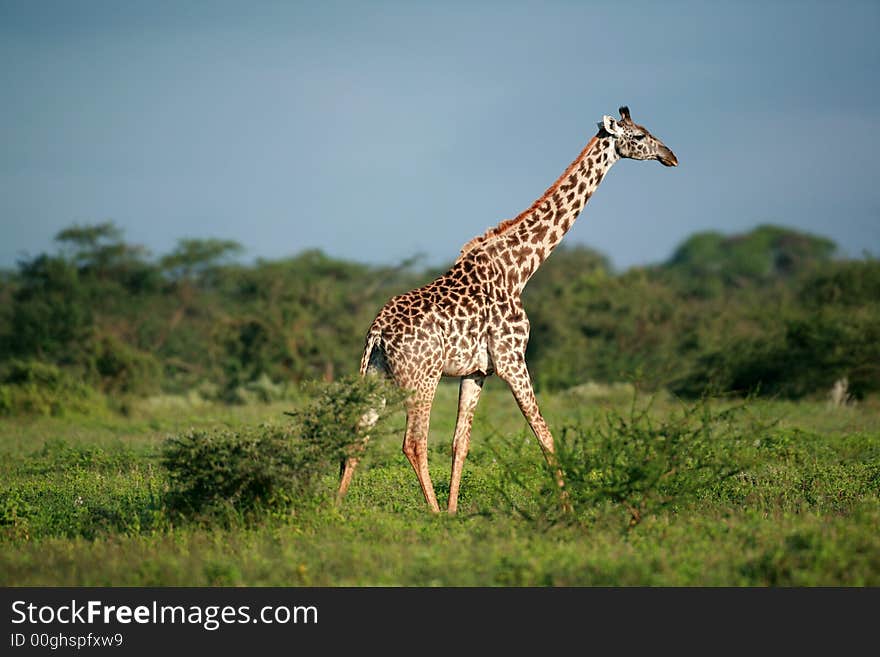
(667, 158)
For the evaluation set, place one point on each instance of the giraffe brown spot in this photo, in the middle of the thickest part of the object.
(521, 254)
(540, 233)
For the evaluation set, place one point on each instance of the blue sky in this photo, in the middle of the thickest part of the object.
(378, 130)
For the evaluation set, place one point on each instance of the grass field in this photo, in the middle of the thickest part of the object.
(775, 493)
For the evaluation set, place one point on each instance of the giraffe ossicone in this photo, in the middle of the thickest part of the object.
(470, 321)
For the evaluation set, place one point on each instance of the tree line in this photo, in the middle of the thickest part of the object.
(772, 311)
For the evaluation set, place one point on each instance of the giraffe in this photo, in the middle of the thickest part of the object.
(470, 321)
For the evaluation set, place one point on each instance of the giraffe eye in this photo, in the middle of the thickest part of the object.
(638, 137)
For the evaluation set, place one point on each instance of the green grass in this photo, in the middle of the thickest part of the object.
(794, 501)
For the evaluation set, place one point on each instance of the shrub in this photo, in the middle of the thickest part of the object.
(803, 355)
(270, 468)
(121, 368)
(30, 387)
(645, 465)
(244, 470)
(328, 423)
(260, 390)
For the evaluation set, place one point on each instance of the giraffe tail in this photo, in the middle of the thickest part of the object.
(372, 362)
(373, 339)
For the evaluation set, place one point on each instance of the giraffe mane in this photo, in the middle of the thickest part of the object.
(508, 225)
(491, 233)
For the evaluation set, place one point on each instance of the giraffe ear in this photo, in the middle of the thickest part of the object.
(610, 125)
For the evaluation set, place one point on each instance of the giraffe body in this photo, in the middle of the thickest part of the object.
(470, 321)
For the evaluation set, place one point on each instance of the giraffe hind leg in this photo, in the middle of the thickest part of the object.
(348, 464)
(376, 366)
(468, 396)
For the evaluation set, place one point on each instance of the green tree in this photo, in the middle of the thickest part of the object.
(98, 251)
(193, 256)
(50, 316)
(707, 263)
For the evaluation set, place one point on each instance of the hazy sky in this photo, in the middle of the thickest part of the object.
(378, 130)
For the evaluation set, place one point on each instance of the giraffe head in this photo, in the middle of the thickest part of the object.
(634, 141)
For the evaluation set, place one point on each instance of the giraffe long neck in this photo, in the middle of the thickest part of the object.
(522, 244)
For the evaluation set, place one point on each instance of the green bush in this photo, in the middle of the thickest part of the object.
(802, 355)
(121, 368)
(330, 420)
(270, 468)
(596, 327)
(646, 465)
(260, 390)
(30, 387)
(246, 470)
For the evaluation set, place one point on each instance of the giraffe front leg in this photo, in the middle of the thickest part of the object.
(515, 373)
(468, 396)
